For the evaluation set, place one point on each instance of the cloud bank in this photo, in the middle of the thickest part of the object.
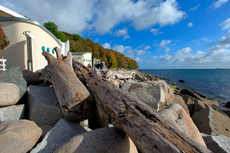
(99, 16)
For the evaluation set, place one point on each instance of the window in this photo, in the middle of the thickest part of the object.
(48, 50)
(83, 59)
(79, 57)
(43, 48)
(53, 51)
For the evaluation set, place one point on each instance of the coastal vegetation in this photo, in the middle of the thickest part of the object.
(78, 44)
(4, 42)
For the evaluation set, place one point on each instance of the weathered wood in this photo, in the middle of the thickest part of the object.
(148, 130)
(75, 100)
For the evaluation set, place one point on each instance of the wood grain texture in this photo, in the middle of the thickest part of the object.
(149, 131)
(75, 100)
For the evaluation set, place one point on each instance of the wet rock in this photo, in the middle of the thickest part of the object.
(181, 81)
(176, 115)
(153, 93)
(212, 122)
(14, 75)
(58, 135)
(9, 94)
(43, 105)
(18, 136)
(14, 112)
(109, 140)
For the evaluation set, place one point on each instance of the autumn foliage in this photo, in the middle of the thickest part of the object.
(4, 42)
(78, 44)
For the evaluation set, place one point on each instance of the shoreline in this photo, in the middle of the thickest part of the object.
(209, 93)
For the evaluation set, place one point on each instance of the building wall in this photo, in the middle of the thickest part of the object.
(16, 53)
(80, 57)
(87, 59)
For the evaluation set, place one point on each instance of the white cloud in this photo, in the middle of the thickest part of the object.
(167, 50)
(126, 37)
(147, 47)
(96, 40)
(165, 42)
(99, 16)
(154, 57)
(194, 8)
(198, 41)
(190, 24)
(218, 3)
(218, 56)
(106, 45)
(225, 24)
(141, 52)
(121, 32)
(121, 48)
(138, 59)
(154, 31)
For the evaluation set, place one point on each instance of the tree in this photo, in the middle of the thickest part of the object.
(4, 42)
(53, 28)
(76, 37)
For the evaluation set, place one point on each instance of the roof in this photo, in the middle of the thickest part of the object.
(80, 53)
(5, 12)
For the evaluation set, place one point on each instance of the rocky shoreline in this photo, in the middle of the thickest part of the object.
(30, 112)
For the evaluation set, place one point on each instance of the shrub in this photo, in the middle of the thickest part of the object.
(4, 42)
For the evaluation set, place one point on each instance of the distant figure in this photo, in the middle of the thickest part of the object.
(101, 65)
(98, 66)
(89, 65)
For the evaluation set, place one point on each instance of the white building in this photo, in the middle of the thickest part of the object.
(28, 39)
(84, 57)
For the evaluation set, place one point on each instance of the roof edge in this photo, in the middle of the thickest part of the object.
(10, 12)
(29, 21)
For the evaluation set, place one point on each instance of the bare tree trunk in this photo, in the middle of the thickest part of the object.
(75, 100)
(148, 130)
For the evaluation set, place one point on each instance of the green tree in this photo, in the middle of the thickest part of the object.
(53, 28)
(76, 37)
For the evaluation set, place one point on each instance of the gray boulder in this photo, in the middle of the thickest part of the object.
(126, 86)
(58, 135)
(177, 116)
(14, 112)
(18, 136)
(212, 122)
(31, 77)
(156, 94)
(14, 75)
(217, 143)
(101, 140)
(9, 94)
(43, 105)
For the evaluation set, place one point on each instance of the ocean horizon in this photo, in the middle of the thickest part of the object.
(213, 83)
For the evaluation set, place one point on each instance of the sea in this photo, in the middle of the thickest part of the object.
(213, 83)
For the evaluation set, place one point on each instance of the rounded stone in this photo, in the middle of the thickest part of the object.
(9, 94)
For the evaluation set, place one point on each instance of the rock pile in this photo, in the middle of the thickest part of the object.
(30, 113)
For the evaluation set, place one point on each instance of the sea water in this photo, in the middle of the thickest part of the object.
(213, 83)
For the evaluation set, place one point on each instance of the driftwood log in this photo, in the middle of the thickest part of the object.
(76, 102)
(148, 130)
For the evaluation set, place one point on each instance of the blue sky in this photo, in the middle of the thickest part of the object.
(157, 34)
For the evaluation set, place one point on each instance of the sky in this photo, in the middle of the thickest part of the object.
(171, 34)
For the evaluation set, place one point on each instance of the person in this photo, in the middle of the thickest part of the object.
(101, 65)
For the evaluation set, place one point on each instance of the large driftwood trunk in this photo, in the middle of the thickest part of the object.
(148, 130)
(75, 100)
